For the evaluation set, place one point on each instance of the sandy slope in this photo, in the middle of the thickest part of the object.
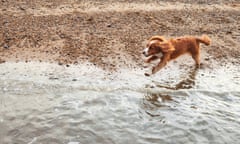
(111, 34)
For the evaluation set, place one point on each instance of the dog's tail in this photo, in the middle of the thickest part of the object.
(204, 39)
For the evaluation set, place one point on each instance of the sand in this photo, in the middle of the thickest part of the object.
(111, 34)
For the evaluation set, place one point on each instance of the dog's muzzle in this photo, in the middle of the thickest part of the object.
(145, 52)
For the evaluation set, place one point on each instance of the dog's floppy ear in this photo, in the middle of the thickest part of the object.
(166, 46)
(159, 38)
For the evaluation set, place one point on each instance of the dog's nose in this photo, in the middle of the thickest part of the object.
(145, 53)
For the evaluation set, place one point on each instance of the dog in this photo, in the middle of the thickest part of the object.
(158, 47)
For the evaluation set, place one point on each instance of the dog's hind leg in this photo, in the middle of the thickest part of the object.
(196, 58)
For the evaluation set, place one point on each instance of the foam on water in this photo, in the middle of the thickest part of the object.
(88, 76)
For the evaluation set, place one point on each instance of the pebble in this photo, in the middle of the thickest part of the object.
(22, 8)
(2, 61)
(60, 63)
(207, 59)
(6, 46)
(53, 78)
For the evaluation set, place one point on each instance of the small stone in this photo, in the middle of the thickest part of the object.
(62, 36)
(60, 63)
(6, 46)
(207, 59)
(194, 107)
(53, 78)
(75, 62)
(2, 61)
(147, 74)
(22, 8)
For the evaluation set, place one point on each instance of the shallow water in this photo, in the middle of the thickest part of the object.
(48, 103)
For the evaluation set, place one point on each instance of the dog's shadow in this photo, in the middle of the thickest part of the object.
(186, 83)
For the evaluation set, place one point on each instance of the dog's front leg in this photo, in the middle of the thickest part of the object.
(160, 65)
(152, 58)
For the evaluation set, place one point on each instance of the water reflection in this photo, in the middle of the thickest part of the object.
(153, 101)
(156, 97)
(186, 83)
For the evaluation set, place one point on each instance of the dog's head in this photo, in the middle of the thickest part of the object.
(157, 46)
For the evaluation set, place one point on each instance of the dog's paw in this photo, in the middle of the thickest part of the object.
(148, 72)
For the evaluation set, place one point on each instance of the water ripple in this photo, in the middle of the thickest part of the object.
(122, 109)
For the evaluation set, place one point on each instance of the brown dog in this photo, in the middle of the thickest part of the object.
(160, 48)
